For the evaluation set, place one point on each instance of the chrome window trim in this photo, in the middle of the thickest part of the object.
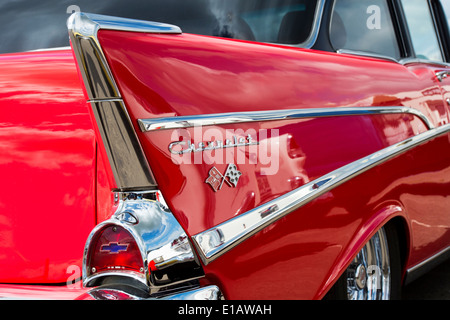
(183, 122)
(309, 43)
(125, 154)
(214, 242)
(50, 49)
(412, 60)
(366, 54)
(402, 61)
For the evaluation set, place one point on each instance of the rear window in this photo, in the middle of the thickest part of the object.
(32, 25)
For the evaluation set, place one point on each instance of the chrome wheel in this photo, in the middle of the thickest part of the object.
(369, 274)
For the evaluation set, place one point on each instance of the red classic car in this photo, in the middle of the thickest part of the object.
(241, 149)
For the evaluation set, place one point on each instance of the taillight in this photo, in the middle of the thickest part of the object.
(114, 250)
(142, 241)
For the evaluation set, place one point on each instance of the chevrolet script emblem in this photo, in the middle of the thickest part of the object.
(216, 179)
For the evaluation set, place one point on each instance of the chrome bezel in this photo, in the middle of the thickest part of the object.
(90, 277)
(208, 293)
(125, 154)
(168, 247)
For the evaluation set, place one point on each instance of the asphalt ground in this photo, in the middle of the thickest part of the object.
(435, 285)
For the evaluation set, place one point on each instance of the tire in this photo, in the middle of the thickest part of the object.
(375, 272)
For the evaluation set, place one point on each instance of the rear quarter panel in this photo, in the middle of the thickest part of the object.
(302, 254)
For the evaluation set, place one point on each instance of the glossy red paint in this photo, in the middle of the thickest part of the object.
(305, 250)
(291, 78)
(291, 158)
(41, 292)
(47, 160)
(50, 146)
(177, 75)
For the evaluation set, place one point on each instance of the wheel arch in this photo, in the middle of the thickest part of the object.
(400, 225)
(393, 216)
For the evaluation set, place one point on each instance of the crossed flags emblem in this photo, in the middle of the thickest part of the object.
(216, 179)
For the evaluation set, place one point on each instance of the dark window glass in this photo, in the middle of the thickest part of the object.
(421, 27)
(364, 25)
(35, 24)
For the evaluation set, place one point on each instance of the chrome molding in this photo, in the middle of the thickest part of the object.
(366, 54)
(442, 75)
(205, 293)
(423, 267)
(162, 242)
(214, 242)
(126, 157)
(413, 60)
(209, 293)
(148, 125)
(309, 43)
(435, 256)
(97, 21)
(83, 29)
(50, 49)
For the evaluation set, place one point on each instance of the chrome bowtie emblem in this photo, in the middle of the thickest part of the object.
(216, 179)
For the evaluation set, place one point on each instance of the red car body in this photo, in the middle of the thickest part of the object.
(360, 142)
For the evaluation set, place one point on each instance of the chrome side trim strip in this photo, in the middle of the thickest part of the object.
(423, 267)
(209, 293)
(214, 242)
(125, 154)
(429, 260)
(147, 125)
(421, 264)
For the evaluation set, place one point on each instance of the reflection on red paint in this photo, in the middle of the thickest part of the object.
(47, 160)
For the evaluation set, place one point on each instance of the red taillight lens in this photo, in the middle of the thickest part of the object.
(115, 250)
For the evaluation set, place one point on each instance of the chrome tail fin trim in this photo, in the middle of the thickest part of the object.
(126, 157)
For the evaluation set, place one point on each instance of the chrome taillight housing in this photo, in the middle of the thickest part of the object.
(143, 241)
(115, 249)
